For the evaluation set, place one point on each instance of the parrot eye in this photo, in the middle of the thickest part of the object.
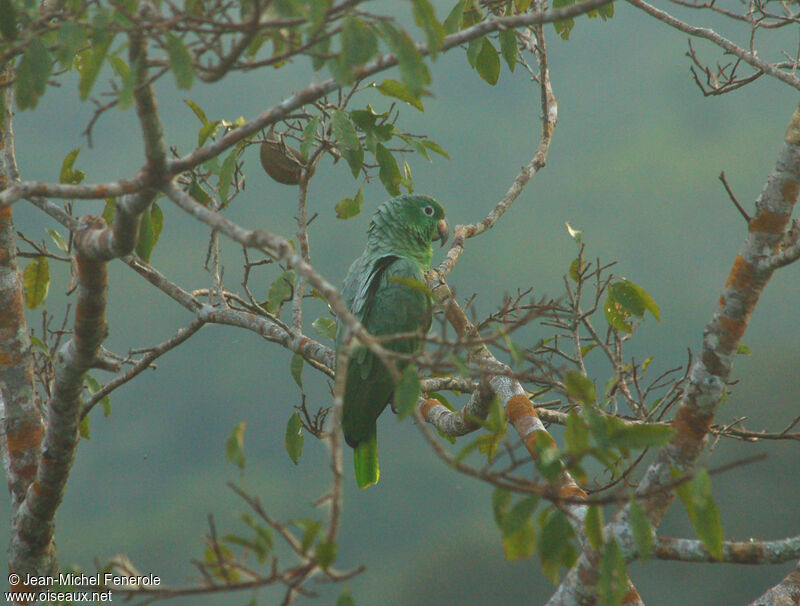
(428, 210)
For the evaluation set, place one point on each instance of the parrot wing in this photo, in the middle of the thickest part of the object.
(386, 305)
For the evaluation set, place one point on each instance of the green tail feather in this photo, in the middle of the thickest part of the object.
(365, 459)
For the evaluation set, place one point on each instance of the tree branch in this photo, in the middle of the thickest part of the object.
(733, 552)
(785, 593)
(22, 425)
(708, 34)
(32, 549)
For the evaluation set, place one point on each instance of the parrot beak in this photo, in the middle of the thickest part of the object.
(443, 230)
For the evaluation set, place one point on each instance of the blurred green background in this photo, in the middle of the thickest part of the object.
(634, 162)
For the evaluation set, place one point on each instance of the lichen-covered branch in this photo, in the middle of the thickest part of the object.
(785, 593)
(22, 425)
(32, 549)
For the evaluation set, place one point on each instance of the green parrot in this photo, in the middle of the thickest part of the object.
(398, 248)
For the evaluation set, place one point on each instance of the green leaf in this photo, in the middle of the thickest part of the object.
(325, 327)
(83, 427)
(606, 11)
(349, 207)
(398, 90)
(519, 515)
(389, 172)
(93, 386)
(522, 5)
(642, 530)
(488, 444)
(32, 74)
(262, 544)
(575, 234)
(433, 146)
(294, 438)
(616, 315)
(640, 436)
(119, 66)
(199, 194)
(743, 350)
(280, 290)
(598, 424)
(452, 22)
(594, 526)
(126, 89)
(217, 560)
(709, 527)
(8, 20)
(461, 454)
(516, 524)
(36, 281)
(345, 599)
(109, 210)
(413, 71)
(547, 459)
(198, 111)
(71, 38)
(521, 544)
(347, 141)
(487, 63)
(68, 174)
(407, 181)
(703, 513)
(425, 18)
(309, 132)
(613, 582)
(310, 529)
(157, 217)
(234, 447)
(358, 41)
(576, 434)
(39, 344)
(149, 231)
(496, 419)
(325, 553)
(208, 130)
(580, 387)
(89, 61)
(180, 61)
(563, 28)
(320, 52)
(501, 501)
(226, 175)
(553, 542)
(317, 11)
(634, 299)
(508, 47)
(407, 392)
(59, 240)
(296, 368)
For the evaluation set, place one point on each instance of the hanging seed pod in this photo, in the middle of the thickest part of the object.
(280, 161)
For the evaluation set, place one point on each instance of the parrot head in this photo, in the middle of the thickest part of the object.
(410, 221)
